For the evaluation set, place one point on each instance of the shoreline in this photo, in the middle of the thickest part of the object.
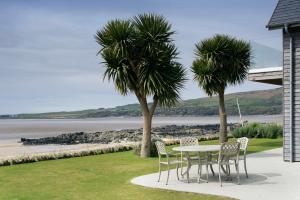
(9, 145)
(129, 135)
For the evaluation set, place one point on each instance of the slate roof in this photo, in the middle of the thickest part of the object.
(286, 12)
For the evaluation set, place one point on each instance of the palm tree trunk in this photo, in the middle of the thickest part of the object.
(223, 118)
(146, 141)
(147, 116)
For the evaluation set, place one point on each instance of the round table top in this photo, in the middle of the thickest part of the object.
(197, 148)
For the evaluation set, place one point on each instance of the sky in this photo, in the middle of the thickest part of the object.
(48, 58)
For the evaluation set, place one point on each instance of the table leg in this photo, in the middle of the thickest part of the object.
(224, 170)
(208, 156)
(188, 167)
(188, 163)
(212, 170)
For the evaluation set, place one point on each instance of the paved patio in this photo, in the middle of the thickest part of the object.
(269, 178)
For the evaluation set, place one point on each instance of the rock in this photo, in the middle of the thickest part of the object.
(129, 135)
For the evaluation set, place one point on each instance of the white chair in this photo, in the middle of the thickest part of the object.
(192, 159)
(229, 155)
(188, 141)
(243, 146)
(161, 150)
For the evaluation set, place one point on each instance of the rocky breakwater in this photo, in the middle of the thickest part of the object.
(128, 135)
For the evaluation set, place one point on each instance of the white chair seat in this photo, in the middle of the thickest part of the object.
(192, 158)
(173, 162)
(195, 158)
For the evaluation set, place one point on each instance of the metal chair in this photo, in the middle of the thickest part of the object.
(243, 146)
(188, 141)
(229, 155)
(161, 150)
(193, 159)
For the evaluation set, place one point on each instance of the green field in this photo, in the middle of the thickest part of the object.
(105, 177)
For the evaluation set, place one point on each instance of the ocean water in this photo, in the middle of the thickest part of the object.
(12, 130)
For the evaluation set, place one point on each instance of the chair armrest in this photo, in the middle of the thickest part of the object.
(174, 154)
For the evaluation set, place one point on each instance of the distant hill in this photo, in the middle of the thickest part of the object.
(264, 102)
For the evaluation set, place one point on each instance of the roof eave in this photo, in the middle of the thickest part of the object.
(280, 26)
(274, 27)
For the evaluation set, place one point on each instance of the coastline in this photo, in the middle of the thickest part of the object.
(18, 126)
(12, 130)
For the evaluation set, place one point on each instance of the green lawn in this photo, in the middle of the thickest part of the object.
(105, 177)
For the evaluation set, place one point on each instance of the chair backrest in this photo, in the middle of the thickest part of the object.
(189, 141)
(243, 143)
(161, 148)
(229, 149)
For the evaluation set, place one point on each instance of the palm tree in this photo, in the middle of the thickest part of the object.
(140, 57)
(221, 61)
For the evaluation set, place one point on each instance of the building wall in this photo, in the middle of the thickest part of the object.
(296, 95)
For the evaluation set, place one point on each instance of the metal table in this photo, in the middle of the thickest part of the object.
(195, 149)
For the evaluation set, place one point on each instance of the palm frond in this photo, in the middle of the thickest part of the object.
(140, 57)
(117, 35)
(221, 60)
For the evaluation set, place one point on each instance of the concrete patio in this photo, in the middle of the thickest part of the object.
(269, 178)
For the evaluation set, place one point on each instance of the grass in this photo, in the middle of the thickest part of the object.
(102, 177)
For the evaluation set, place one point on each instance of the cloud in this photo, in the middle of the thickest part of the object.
(48, 56)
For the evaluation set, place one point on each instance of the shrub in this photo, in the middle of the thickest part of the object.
(271, 131)
(256, 130)
(153, 150)
(62, 155)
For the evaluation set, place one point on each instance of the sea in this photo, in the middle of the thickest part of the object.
(12, 130)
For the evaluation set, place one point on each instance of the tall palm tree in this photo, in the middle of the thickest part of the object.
(140, 57)
(221, 61)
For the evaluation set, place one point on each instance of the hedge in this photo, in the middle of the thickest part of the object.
(257, 130)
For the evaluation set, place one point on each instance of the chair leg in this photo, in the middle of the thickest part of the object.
(207, 173)
(177, 167)
(238, 172)
(199, 173)
(212, 170)
(245, 167)
(224, 170)
(235, 165)
(181, 170)
(168, 175)
(228, 166)
(199, 164)
(159, 171)
(220, 179)
(188, 172)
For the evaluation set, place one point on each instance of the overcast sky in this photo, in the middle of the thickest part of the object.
(48, 56)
